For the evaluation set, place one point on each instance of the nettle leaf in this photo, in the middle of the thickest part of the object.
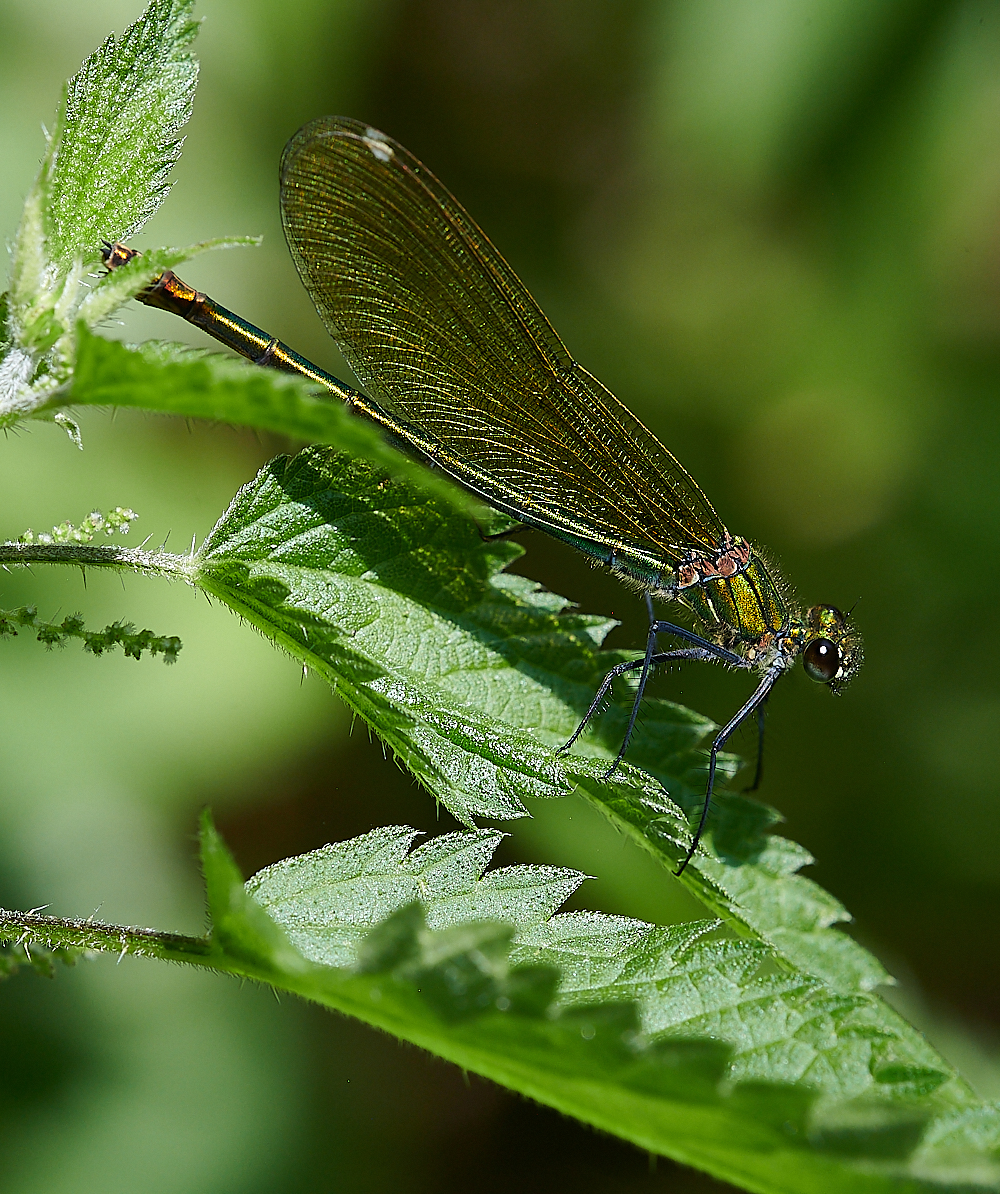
(696, 1045)
(475, 677)
(329, 900)
(689, 1043)
(117, 133)
(105, 168)
(175, 380)
(394, 596)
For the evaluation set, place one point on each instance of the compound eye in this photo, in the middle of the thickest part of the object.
(822, 660)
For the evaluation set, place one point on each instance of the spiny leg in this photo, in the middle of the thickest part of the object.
(758, 773)
(655, 660)
(701, 650)
(620, 670)
(758, 698)
(648, 664)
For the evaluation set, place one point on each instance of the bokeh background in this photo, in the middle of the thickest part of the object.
(773, 228)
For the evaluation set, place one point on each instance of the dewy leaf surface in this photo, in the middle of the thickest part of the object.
(103, 175)
(117, 133)
(686, 1042)
(681, 1040)
(661, 1025)
(475, 676)
(396, 598)
(329, 900)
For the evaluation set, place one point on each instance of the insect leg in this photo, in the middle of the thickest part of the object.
(606, 683)
(759, 769)
(701, 649)
(755, 702)
(620, 670)
(713, 650)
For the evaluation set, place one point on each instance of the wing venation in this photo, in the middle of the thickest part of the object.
(445, 337)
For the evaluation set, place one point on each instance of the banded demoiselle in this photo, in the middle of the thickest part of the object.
(461, 367)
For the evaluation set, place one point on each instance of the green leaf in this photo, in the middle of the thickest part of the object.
(117, 134)
(686, 1042)
(644, 1031)
(195, 384)
(474, 677)
(103, 175)
(241, 930)
(680, 1040)
(329, 900)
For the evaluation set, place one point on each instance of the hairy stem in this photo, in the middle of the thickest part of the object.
(56, 932)
(90, 555)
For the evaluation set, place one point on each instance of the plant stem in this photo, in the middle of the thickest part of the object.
(56, 932)
(90, 555)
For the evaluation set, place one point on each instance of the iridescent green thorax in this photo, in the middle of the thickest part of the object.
(744, 605)
(732, 592)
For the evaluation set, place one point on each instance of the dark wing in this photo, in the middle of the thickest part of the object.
(446, 339)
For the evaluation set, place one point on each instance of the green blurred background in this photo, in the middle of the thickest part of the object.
(773, 228)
